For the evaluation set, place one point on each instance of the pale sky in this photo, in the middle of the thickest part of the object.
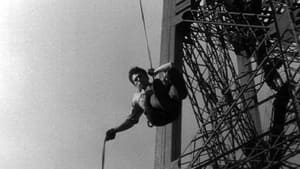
(63, 75)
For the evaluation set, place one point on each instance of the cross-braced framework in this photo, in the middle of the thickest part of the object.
(215, 37)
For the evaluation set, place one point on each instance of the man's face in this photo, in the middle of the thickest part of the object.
(140, 80)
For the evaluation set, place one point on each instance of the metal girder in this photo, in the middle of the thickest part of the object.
(227, 137)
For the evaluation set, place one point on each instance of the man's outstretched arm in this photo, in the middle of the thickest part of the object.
(111, 133)
(127, 124)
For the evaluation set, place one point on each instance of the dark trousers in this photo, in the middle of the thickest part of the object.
(163, 102)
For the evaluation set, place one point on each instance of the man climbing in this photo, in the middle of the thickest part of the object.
(159, 100)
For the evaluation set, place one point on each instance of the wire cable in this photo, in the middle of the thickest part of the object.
(145, 32)
(103, 153)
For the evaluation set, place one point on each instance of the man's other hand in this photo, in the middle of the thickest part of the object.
(151, 72)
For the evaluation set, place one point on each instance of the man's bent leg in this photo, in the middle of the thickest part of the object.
(154, 111)
(161, 99)
(178, 90)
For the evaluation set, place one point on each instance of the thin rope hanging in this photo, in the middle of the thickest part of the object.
(145, 31)
(103, 154)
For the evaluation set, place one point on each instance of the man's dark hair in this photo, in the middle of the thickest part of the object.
(136, 70)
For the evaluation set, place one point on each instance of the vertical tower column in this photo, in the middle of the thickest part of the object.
(244, 66)
(168, 138)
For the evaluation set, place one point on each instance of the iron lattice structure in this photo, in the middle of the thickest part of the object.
(215, 39)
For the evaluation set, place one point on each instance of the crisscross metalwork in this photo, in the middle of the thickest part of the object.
(222, 98)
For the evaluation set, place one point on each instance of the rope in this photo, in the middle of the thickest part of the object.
(145, 31)
(103, 153)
